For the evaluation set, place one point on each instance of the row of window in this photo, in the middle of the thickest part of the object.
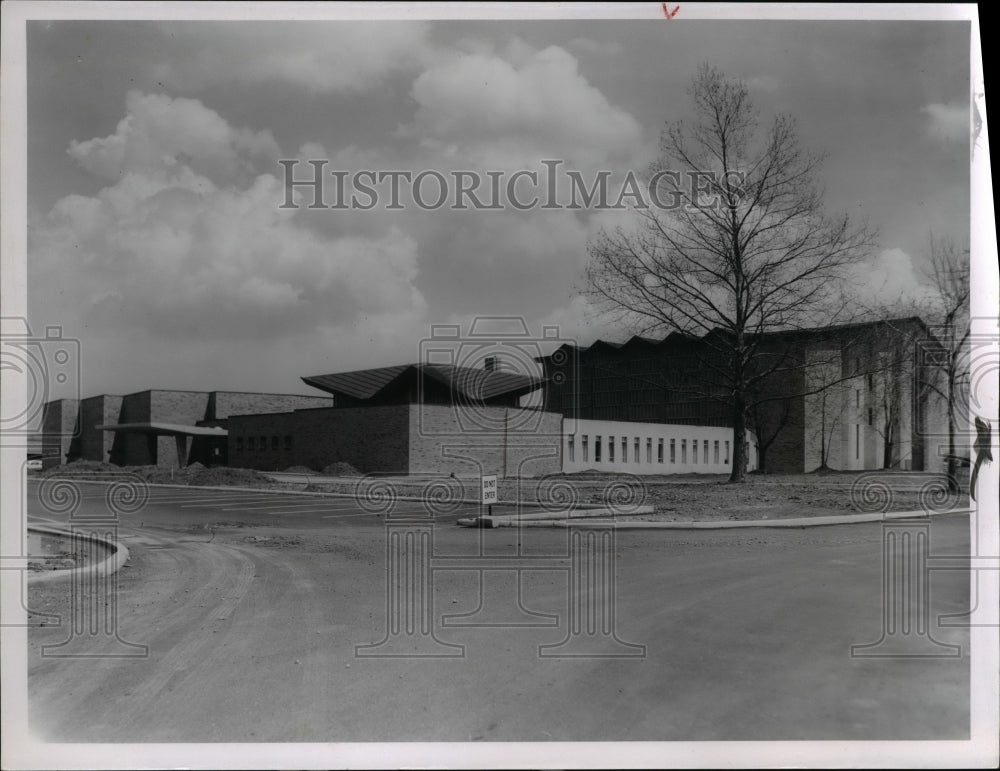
(253, 446)
(610, 445)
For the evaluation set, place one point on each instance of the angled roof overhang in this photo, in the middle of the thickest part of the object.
(164, 429)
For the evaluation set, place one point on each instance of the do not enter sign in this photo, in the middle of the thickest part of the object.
(489, 486)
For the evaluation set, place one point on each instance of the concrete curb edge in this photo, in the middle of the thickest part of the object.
(106, 567)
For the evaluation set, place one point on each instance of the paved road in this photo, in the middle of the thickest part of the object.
(251, 606)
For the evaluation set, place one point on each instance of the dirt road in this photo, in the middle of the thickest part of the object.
(251, 610)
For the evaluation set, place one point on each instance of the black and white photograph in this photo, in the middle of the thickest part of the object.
(506, 385)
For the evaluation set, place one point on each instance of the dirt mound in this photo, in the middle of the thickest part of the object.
(340, 469)
(299, 470)
(224, 475)
(82, 467)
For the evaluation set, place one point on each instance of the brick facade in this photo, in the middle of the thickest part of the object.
(404, 438)
(369, 438)
(59, 429)
(93, 444)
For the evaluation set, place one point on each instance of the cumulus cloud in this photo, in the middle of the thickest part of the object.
(180, 245)
(324, 58)
(519, 107)
(890, 279)
(161, 133)
(948, 122)
(327, 58)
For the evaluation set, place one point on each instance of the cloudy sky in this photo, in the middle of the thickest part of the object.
(156, 237)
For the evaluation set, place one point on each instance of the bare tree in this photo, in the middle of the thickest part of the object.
(947, 274)
(747, 250)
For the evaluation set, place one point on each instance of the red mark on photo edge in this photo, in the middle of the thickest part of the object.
(669, 14)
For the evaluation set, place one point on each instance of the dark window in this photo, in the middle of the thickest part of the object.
(239, 444)
(649, 450)
(288, 441)
(569, 448)
(624, 449)
(597, 449)
(583, 441)
(705, 448)
(251, 443)
(263, 443)
(673, 450)
(637, 459)
(274, 443)
(611, 449)
(717, 452)
(871, 417)
(857, 440)
(659, 452)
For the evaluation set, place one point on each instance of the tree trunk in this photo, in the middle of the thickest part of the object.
(739, 470)
(952, 468)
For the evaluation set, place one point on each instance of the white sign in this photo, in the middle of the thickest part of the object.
(489, 489)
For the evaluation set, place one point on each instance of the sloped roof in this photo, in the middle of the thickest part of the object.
(468, 382)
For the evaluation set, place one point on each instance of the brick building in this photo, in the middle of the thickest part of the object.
(413, 418)
(848, 397)
(154, 427)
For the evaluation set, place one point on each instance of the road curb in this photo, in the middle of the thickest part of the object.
(799, 522)
(105, 567)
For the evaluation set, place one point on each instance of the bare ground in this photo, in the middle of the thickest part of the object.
(675, 498)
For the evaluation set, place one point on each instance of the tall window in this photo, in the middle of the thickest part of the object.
(636, 458)
(684, 450)
(611, 449)
(274, 443)
(649, 450)
(673, 450)
(857, 440)
(857, 398)
(263, 443)
(871, 417)
(727, 452)
(583, 442)
(659, 452)
(716, 457)
(624, 449)
(694, 450)
(288, 441)
(239, 444)
(569, 448)
(705, 450)
(251, 443)
(597, 449)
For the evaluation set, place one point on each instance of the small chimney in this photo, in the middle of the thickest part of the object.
(492, 363)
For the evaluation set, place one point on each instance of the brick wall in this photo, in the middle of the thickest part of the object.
(223, 404)
(98, 410)
(59, 424)
(369, 438)
(130, 449)
(485, 440)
